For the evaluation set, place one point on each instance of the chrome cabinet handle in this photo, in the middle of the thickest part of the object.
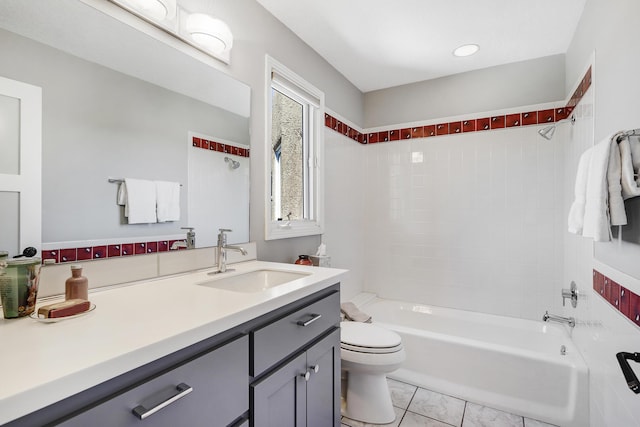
(182, 390)
(310, 321)
(306, 375)
(315, 368)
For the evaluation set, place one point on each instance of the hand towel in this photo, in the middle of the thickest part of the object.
(168, 201)
(630, 159)
(140, 206)
(352, 313)
(576, 212)
(604, 206)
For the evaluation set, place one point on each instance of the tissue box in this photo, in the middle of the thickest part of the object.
(320, 261)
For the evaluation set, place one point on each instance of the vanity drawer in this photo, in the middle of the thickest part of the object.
(218, 383)
(277, 340)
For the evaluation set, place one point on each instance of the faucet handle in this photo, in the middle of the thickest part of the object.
(571, 294)
(224, 230)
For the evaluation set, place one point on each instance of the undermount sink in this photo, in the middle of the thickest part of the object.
(254, 281)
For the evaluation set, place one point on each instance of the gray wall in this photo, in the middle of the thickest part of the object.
(98, 123)
(617, 91)
(256, 33)
(513, 85)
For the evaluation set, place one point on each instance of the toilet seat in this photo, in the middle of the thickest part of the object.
(368, 338)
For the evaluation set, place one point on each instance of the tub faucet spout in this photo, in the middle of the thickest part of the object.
(546, 317)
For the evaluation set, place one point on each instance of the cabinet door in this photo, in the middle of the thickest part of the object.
(323, 387)
(219, 395)
(279, 400)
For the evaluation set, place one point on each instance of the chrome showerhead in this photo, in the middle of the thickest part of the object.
(547, 132)
(233, 164)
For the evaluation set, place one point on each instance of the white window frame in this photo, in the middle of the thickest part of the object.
(284, 80)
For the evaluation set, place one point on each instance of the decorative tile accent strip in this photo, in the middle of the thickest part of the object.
(516, 119)
(206, 144)
(110, 251)
(623, 300)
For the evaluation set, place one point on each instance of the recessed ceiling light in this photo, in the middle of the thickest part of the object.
(466, 50)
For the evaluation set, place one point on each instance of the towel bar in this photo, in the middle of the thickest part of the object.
(121, 180)
(634, 132)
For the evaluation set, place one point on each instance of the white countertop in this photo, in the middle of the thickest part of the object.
(42, 363)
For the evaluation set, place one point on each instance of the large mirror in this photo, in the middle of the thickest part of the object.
(122, 100)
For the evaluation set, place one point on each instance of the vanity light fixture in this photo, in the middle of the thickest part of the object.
(157, 10)
(466, 50)
(204, 32)
(210, 33)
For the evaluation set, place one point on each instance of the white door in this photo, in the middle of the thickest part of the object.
(20, 166)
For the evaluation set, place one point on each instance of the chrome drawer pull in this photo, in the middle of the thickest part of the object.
(182, 390)
(310, 321)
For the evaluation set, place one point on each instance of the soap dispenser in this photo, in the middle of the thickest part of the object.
(76, 286)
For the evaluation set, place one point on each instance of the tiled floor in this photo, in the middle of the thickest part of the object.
(418, 407)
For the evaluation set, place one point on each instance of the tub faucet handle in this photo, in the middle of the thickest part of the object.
(572, 294)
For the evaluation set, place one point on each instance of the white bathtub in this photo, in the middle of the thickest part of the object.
(510, 364)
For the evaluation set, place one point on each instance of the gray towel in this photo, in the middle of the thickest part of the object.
(352, 313)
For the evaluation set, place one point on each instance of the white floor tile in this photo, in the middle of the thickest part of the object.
(481, 416)
(438, 406)
(401, 393)
(415, 420)
(528, 422)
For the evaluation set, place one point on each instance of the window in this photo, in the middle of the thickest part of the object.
(294, 145)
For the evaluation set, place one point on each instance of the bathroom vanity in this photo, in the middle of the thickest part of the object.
(185, 350)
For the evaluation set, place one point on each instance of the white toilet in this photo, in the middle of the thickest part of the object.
(368, 354)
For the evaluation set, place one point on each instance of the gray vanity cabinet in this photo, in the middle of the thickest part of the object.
(280, 369)
(210, 390)
(302, 387)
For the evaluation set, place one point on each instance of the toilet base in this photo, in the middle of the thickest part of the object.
(368, 399)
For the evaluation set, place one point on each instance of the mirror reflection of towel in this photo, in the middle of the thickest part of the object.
(168, 201)
(139, 198)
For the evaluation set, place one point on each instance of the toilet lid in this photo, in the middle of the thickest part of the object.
(365, 337)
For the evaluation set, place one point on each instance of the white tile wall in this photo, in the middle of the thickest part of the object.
(344, 209)
(473, 226)
(601, 332)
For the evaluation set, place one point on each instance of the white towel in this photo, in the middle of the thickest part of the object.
(604, 205)
(168, 201)
(576, 212)
(140, 204)
(630, 158)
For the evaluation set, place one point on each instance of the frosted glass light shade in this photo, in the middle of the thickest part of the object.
(210, 33)
(158, 10)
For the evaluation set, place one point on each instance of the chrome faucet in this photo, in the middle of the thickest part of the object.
(188, 243)
(222, 250)
(553, 318)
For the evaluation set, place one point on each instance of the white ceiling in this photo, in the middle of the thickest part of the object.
(384, 43)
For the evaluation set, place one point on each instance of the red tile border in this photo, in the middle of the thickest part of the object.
(455, 127)
(67, 255)
(106, 251)
(513, 120)
(469, 126)
(620, 298)
(525, 118)
(497, 122)
(442, 129)
(209, 145)
(430, 130)
(483, 124)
